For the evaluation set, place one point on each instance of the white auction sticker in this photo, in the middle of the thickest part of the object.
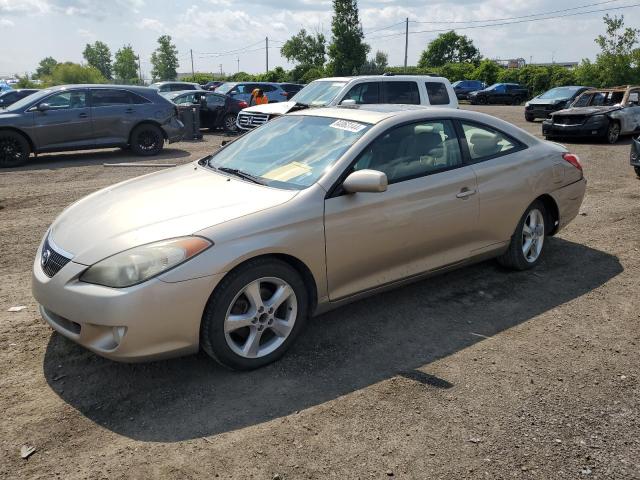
(348, 126)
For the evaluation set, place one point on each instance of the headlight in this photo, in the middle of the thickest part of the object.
(596, 119)
(141, 263)
(526, 105)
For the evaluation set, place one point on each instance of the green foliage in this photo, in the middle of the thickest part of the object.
(125, 66)
(457, 71)
(487, 72)
(69, 73)
(25, 82)
(98, 55)
(449, 48)
(200, 78)
(376, 65)
(305, 49)
(164, 60)
(347, 52)
(241, 77)
(313, 74)
(277, 75)
(45, 67)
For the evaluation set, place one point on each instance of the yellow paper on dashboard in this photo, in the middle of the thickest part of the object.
(287, 172)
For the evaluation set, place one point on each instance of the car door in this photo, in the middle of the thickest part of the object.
(425, 220)
(63, 120)
(113, 115)
(498, 94)
(214, 106)
(504, 169)
(630, 115)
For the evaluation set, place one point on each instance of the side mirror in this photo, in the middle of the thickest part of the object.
(366, 181)
(348, 103)
(43, 107)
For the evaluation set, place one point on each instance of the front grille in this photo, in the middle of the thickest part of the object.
(569, 119)
(50, 260)
(252, 120)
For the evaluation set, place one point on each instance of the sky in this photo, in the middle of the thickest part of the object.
(33, 29)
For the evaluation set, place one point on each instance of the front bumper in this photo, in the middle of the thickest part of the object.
(586, 129)
(174, 130)
(152, 320)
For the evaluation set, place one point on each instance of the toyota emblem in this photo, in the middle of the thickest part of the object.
(45, 257)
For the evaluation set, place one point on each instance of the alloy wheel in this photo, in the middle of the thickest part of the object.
(613, 133)
(261, 317)
(230, 123)
(533, 235)
(10, 151)
(148, 140)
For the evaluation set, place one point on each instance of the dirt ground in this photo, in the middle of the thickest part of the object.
(478, 373)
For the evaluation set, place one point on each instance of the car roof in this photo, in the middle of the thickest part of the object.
(177, 93)
(373, 113)
(133, 88)
(398, 77)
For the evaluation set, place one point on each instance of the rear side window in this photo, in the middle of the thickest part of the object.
(362, 93)
(267, 88)
(438, 94)
(401, 92)
(108, 98)
(484, 142)
(291, 88)
(215, 100)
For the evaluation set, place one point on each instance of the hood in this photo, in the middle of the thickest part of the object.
(547, 101)
(588, 111)
(277, 108)
(158, 206)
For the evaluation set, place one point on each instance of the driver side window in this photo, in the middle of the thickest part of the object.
(67, 100)
(413, 150)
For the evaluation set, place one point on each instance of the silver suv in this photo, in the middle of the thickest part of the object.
(374, 89)
(80, 117)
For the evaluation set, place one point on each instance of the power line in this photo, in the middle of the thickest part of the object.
(384, 28)
(440, 30)
(217, 54)
(514, 18)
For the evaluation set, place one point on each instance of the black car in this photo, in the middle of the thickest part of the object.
(211, 86)
(291, 89)
(81, 117)
(464, 87)
(216, 110)
(504, 93)
(12, 96)
(551, 101)
(635, 155)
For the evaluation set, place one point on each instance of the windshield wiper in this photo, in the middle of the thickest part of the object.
(241, 174)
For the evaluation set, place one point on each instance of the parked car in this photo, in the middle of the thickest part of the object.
(602, 113)
(504, 93)
(12, 96)
(635, 155)
(174, 86)
(464, 87)
(290, 89)
(216, 110)
(242, 91)
(211, 86)
(4, 86)
(80, 117)
(551, 101)
(371, 89)
(315, 209)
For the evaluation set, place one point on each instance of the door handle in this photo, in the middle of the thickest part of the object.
(83, 115)
(129, 110)
(465, 192)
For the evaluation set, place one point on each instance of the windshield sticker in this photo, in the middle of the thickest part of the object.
(288, 171)
(348, 126)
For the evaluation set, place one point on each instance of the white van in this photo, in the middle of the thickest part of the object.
(372, 89)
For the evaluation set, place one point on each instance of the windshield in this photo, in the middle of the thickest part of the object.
(599, 99)
(225, 87)
(495, 86)
(559, 93)
(318, 93)
(292, 151)
(455, 84)
(29, 100)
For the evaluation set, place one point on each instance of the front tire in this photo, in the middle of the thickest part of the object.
(14, 149)
(637, 169)
(147, 140)
(229, 123)
(254, 314)
(529, 118)
(613, 132)
(527, 242)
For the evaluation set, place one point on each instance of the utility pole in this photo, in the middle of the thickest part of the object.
(193, 72)
(406, 43)
(238, 64)
(140, 70)
(266, 50)
(221, 74)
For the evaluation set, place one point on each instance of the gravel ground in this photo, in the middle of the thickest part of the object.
(478, 373)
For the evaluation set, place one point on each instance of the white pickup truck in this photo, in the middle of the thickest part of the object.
(373, 89)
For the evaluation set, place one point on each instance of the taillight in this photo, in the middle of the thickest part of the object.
(573, 160)
(285, 94)
(243, 104)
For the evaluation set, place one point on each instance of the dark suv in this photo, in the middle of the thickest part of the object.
(505, 93)
(464, 87)
(79, 117)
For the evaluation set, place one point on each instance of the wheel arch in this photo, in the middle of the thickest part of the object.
(147, 122)
(26, 136)
(552, 210)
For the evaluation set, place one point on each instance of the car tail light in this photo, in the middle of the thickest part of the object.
(285, 94)
(573, 160)
(243, 104)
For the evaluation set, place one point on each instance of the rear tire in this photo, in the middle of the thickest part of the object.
(527, 243)
(14, 149)
(229, 123)
(246, 294)
(147, 140)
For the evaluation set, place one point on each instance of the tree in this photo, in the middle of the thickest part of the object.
(449, 48)
(487, 71)
(25, 82)
(125, 66)
(305, 49)
(458, 71)
(376, 65)
(45, 67)
(165, 60)
(68, 72)
(98, 55)
(347, 52)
